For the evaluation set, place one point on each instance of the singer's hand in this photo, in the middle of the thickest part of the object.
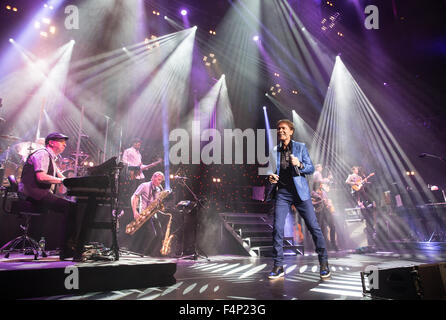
(273, 178)
(294, 161)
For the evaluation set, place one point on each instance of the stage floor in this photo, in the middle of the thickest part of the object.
(245, 278)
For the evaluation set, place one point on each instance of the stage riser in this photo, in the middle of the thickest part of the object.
(19, 284)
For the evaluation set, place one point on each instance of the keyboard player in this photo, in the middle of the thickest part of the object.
(39, 175)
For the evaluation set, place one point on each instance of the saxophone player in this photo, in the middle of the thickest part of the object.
(144, 195)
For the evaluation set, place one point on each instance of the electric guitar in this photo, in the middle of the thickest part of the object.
(356, 187)
(135, 171)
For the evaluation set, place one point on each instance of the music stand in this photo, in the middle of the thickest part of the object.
(195, 255)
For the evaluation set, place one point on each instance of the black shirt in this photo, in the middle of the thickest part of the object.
(286, 168)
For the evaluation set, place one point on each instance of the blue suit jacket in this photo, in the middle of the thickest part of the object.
(300, 182)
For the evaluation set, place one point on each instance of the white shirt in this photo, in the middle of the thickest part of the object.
(147, 194)
(133, 158)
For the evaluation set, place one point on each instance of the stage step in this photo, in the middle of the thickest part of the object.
(253, 231)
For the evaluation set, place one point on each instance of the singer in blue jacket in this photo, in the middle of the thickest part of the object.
(293, 163)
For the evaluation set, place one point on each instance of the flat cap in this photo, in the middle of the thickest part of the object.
(55, 136)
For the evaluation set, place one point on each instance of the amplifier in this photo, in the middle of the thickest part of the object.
(353, 214)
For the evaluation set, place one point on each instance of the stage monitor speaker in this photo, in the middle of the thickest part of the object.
(422, 282)
(354, 232)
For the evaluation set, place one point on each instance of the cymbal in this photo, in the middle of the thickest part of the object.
(9, 137)
(81, 154)
(25, 148)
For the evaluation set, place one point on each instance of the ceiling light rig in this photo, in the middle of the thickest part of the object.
(45, 28)
(210, 59)
(275, 89)
(11, 9)
(329, 23)
(150, 44)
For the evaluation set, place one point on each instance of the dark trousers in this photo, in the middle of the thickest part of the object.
(68, 209)
(284, 200)
(148, 239)
(369, 217)
(326, 220)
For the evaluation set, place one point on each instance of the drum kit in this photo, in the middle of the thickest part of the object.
(17, 151)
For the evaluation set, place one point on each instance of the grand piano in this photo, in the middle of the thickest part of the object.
(98, 188)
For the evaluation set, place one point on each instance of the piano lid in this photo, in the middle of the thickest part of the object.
(105, 168)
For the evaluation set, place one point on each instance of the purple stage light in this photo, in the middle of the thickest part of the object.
(183, 12)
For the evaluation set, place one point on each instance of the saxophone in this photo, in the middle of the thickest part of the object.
(165, 250)
(147, 213)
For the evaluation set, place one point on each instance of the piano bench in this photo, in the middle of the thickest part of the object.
(24, 243)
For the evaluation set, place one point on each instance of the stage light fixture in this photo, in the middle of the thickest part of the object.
(330, 23)
(276, 74)
(156, 13)
(11, 40)
(154, 44)
(52, 29)
(183, 12)
(212, 32)
(256, 38)
(8, 7)
(295, 92)
(46, 20)
(276, 89)
(210, 59)
(44, 34)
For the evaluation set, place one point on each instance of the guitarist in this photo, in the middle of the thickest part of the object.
(319, 178)
(324, 212)
(133, 159)
(356, 182)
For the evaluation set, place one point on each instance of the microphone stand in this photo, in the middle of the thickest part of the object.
(195, 255)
